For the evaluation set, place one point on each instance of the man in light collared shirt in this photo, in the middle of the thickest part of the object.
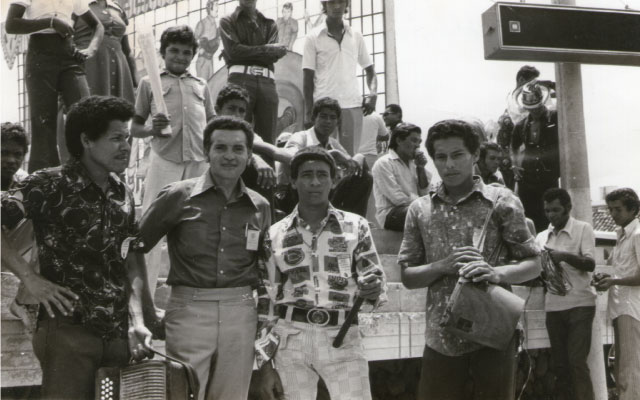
(569, 317)
(624, 294)
(332, 52)
(352, 190)
(399, 177)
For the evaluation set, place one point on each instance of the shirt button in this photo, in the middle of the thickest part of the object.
(221, 272)
(224, 228)
(221, 250)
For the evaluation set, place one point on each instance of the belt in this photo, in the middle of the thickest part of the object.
(251, 70)
(315, 316)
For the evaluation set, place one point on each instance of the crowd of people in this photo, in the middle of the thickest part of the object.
(269, 238)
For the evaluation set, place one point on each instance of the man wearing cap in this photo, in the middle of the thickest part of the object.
(332, 52)
(250, 42)
(319, 260)
(535, 153)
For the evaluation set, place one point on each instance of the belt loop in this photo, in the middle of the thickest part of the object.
(289, 313)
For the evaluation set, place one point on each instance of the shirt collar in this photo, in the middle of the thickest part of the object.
(185, 74)
(568, 228)
(205, 182)
(313, 139)
(77, 174)
(333, 214)
(625, 232)
(478, 186)
(393, 155)
(238, 11)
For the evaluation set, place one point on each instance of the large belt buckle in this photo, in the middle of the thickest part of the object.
(258, 71)
(318, 316)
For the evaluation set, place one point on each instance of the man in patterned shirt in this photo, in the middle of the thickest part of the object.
(319, 261)
(437, 249)
(84, 221)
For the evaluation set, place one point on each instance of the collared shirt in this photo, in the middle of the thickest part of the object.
(436, 224)
(287, 31)
(372, 127)
(190, 107)
(47, 9)
(244, 39)
(79, 232)
(495, 177)
(541, 157)
(207, 234)
(625, 300)
(577, 238)
(335, 64)
(320, 269)
(301, 140)
(395, 184)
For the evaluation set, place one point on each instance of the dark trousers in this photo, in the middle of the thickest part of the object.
(570, 337)
(531, 198)
(263, 103)
(70, 355)
(50, 69)
(395, 219)
(350, 194)
(493, 373)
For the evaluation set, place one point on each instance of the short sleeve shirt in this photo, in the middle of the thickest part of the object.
(577, 238)
(189, 104)
(335, 64)
(436, 224)
(625, 300)
(79, 231)
(46, 9)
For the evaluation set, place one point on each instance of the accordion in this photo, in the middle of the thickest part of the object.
(554, 278)
(168, 379)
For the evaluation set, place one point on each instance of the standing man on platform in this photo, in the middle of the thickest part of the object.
(319, 259)
(209, 40)
(90, 286)
(287, 27)
(250, 42)
(332, 52)
(624, 291)
(214, 227)
(535, 152)
(571, 245)
(438, 248)
(400, 177)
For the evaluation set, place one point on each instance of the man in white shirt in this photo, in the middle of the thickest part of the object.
(399, 177)
(354, 183)
(569, 317)
(332, 52)
(624, 294)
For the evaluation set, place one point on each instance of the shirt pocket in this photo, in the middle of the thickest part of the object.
(291, 347)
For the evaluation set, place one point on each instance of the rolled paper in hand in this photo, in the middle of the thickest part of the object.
(147, 43)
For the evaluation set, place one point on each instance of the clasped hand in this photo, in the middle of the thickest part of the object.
(468, 262)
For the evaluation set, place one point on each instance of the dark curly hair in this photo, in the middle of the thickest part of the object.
(402, 131)
(91, 116)
(453, 128)
(313, 153)
(326, 102)
(178, 34)
(231, 92)
(627, 196)
(558, 194)
(15, 133)
(227, 123)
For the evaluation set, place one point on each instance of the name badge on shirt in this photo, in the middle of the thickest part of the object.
(253, 237)
(344, 264)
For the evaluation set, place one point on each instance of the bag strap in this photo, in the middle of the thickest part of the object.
(192, 378)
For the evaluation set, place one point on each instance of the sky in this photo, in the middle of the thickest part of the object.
(443, 74)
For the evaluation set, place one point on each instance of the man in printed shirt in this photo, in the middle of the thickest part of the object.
(399, 177)
(351, 191)
(214, 226)
(624, 291)
(572, 246)
(83, 218)
(251, 47)
(319, 259)
(437, 249)
(332, 53)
